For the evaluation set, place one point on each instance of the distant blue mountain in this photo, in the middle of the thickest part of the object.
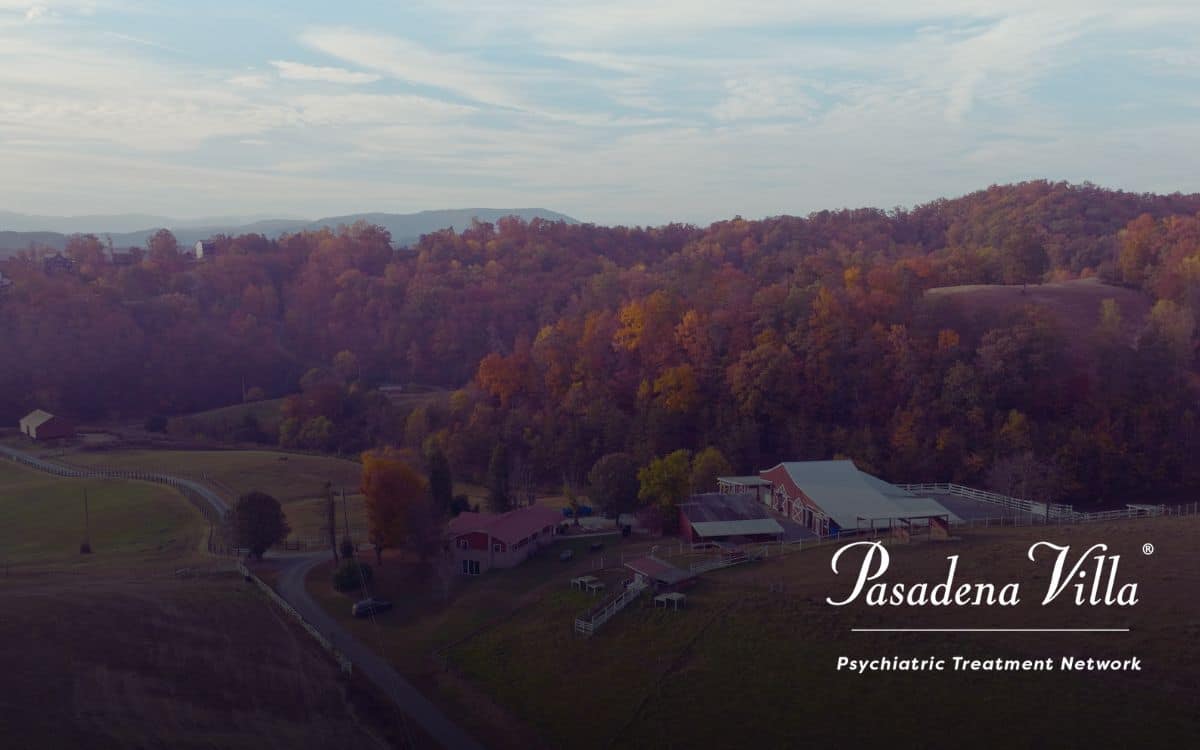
(19, 231)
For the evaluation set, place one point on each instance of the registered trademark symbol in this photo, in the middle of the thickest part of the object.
(1147, 549)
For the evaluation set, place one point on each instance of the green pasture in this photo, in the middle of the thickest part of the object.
(42, 520)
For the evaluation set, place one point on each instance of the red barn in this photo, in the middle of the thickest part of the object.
(42, 425)
(503, 540)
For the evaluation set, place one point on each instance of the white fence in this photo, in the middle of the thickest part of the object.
(342, 660)
(1042, 513)
(589, 622)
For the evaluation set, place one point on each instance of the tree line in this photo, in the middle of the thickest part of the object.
(784, 338)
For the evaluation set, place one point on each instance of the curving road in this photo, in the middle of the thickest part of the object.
(376, 668)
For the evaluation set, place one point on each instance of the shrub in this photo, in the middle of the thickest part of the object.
(351, 574)
(156, 423)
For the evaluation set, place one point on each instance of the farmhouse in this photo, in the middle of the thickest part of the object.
(832, 496)
(727, 517)
(41, 425)
(57, 264)
(480, 541)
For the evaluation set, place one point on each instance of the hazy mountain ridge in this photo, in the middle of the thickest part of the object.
(18, 231)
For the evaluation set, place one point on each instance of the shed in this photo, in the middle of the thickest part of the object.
(660, 573)
(722, 517)
(42, 425)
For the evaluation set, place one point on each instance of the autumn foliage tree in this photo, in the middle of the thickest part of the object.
(399, 508)
(785, 338)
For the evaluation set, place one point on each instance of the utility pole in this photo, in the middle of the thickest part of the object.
(346, 513)
(86, 547)
(331, 519)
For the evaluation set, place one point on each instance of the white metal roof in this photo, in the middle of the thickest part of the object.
(738, 528)
(853, 498)
(36, 418)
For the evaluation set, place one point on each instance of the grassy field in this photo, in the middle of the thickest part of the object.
(1076, 304)
(226, 418)
(42, 521)
(112, 650)
(425, 621)
(113, 663)
(751, 661)
(287, 476)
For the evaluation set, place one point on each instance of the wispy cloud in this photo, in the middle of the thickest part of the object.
(412, 62)
(611, 109)
(296, 71)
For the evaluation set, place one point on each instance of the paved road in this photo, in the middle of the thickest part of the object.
(408, 698)
(62, 470)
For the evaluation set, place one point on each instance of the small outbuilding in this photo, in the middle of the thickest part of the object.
(660, 574)
(42, 425)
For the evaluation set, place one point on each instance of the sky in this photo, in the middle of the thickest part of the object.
(620, 111)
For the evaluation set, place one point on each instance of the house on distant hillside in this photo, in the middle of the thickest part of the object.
(57, 264)
(392, 392)
(727, 517)
(480, 541)
(42, 425)
(205, 249)
(832, 496)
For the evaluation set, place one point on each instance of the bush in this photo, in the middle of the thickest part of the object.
(351, 574)
(156, 423)
(460, 504)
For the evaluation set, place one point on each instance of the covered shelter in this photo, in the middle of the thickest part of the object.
(727, 517)
(753, 484)
(660, 574)
(42, 425)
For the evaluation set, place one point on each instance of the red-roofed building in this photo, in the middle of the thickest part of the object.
(480, 541)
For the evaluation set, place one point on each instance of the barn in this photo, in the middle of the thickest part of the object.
(832, 496)
(42, 425)
(481, 541)
(727, 517)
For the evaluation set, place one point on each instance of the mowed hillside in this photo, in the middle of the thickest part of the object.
(1074, 304)
(116, 649)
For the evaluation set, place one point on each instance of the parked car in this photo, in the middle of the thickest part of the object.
(372, 606)
(566, 555)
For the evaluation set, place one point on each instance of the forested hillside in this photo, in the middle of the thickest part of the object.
(781, 338)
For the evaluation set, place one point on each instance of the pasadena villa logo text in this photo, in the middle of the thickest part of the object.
(1090, 579)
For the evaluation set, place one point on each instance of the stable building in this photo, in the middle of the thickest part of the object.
(481, 541)
(735, 518)
(829, 497)
(42, 425)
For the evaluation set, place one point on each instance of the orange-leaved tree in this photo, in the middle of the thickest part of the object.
(399, 511)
